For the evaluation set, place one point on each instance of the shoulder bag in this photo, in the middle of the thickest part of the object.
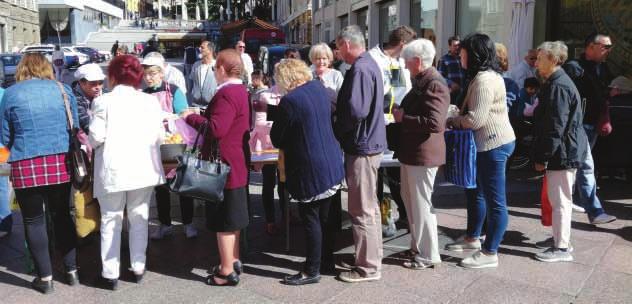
(80, 175)
(199, 178)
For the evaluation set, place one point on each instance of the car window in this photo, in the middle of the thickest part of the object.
(10, 60)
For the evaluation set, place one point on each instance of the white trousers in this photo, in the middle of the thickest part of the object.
(417, 184)
(112, 207)
(559, 185)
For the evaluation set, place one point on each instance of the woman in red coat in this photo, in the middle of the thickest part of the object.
(228, 121)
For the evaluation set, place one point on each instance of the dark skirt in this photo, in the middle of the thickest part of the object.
(231, 214)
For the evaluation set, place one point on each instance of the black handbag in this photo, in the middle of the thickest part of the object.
(80, 174)
(199, 178)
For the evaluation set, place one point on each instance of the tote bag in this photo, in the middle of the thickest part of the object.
(460, 167)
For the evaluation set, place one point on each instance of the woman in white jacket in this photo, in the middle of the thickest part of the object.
(126, 132)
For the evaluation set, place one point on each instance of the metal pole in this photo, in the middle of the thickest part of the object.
(205, 9)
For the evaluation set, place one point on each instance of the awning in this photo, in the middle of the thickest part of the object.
(239, 25)
(180, 36)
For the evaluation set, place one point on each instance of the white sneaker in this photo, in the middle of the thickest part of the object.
(578, 209)
(480, 260)
(553, 255)
(190, 231)
(461, 244)
(161, 232)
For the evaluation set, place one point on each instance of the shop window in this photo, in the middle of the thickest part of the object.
(388, 19)
(363, 23)
(423, 18)
(475, 16)
(343, 21)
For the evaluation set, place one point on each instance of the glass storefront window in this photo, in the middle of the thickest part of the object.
(485, 16)
(388, 19)
(344, 21)
(423, 18)
(363, 23)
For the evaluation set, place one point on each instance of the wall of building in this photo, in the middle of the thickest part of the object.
(19, 25)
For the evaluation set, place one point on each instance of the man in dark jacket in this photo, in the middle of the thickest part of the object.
(591, 76)
(361, 131)
(89, 85)
(560, 145)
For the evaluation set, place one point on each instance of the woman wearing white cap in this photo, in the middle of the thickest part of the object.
(172, 100)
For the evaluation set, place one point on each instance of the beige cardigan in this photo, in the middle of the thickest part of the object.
(485, 112)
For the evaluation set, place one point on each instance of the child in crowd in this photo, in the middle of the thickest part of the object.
(528, 96)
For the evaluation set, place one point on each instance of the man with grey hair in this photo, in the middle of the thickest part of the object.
(422, 117)
(525, 69)
(360, 128)
(202, 77)
(172, 74)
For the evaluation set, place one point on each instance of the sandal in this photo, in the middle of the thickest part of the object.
(231, 280)
(408, 254)
(416, 265)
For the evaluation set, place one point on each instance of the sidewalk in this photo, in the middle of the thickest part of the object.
(601, 272)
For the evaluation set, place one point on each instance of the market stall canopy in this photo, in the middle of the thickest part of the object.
(240, 25)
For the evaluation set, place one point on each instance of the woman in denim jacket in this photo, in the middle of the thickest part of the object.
(35, 129)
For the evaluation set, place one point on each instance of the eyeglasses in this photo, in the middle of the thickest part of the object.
(241, 46)
(533, 58)
(603, 45)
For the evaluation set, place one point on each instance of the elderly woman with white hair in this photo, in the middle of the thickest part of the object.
(322, 57)
(560, 144)
(421, 151)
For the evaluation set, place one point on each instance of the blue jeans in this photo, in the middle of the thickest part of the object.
(585, 194)
(4, 197)
(491, 199)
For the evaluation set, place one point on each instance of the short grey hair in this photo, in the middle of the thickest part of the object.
(320, 50)
(556, 50)
(353, 34)
(422, 49)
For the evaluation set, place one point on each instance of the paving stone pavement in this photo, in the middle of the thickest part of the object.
(600, 273)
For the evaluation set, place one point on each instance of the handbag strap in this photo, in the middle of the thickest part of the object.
(66, 105)
(203, 132)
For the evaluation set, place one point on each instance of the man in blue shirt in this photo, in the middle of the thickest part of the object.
(450, 67)
(360, 128)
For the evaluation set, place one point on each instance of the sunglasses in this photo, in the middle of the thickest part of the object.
(605, 46)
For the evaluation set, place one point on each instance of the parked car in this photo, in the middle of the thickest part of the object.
(8, 64)
(83, 58)
(71, 58)
(106, 54)
(269, 55)
(92, 53)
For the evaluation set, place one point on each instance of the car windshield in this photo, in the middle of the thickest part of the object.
(10, 60)
(84, 49)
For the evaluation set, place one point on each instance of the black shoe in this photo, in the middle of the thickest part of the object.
(72, 278)
(44, 287)
(300, 279)
(110, 284)
(138, 277)
(238, 267)
(231, 280)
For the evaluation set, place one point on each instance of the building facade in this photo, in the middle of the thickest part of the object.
(518, 24)
(18, 24)
(76, 19)
(294, 17)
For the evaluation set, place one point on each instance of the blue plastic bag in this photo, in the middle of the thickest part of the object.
(460, 166)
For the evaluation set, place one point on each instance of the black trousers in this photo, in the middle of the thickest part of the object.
(319, 235)
(163, 203)
(34, 204)
(269, 173)
(393, 179)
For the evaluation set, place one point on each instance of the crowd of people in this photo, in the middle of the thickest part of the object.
(329, 122)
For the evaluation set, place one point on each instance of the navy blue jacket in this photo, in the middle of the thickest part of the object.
(359, 122)
(313, 159)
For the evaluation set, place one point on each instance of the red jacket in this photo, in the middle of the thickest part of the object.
(228, 118)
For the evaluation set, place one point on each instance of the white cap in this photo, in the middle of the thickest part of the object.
(622, 83)
(90, 72)
(154, 59)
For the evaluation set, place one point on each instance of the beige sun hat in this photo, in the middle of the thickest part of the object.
(622, 83)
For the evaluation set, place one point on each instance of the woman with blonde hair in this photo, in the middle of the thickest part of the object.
(35, 129)
(313, 161)
(322, 57)
(227, 120)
